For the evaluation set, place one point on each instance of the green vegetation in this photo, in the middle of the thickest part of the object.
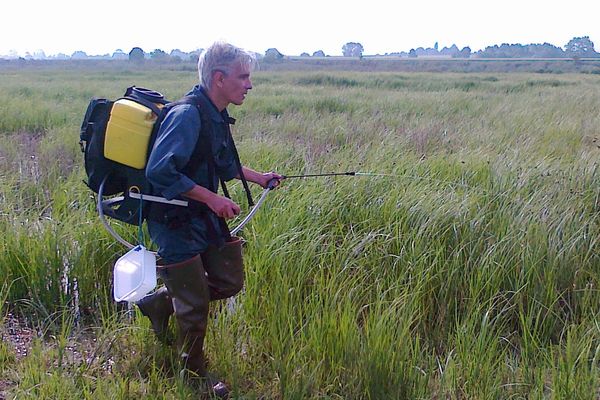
(471, 271)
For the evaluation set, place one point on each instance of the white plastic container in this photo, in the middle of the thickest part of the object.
(134, 274)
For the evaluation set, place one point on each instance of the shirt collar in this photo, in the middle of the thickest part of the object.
(214, 113)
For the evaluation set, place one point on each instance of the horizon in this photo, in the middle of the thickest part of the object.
(38, 52)
(66, 26)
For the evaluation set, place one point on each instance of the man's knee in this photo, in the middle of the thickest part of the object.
(226, 289)
(236, 287)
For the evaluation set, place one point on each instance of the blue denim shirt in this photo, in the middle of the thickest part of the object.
(172, 151)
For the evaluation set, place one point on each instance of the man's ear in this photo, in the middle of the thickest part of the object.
(218, 77)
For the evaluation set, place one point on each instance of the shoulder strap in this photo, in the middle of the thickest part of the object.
(236, 155)
(204, 146)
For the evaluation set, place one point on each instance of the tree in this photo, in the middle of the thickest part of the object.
(319, 53)
(119, 55)
(39, 55)
(176, 53)
(352, 49)
(195, 55)
(451, 51)
(546, 50)
(534, 50)
(581, 47)
(136, 55)
(464, 53)
(79, 55)
(159, 55)
(273, 54)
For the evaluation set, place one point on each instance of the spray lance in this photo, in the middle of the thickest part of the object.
(273, 184)
(349, 173)
(105, 204)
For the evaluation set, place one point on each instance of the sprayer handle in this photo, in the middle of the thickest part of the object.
(273, 183)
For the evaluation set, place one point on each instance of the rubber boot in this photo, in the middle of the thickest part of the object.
(188, 287)
(225, 269)
(158, 307)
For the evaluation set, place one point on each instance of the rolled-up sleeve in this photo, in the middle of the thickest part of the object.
(172, 150)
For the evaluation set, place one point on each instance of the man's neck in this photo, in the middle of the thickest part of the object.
(216, 100)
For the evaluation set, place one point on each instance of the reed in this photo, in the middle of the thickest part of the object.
(469, 269)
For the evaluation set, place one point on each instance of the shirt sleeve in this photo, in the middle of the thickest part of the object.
(172, 150)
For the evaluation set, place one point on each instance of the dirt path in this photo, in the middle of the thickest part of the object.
(17, 337)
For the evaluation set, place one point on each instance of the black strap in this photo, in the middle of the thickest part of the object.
(155, 109)
(203, 148)
(231, 121)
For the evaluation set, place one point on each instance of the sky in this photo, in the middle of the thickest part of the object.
(381, 26)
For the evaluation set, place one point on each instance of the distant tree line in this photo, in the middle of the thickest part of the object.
(578, 47)
(138, 55)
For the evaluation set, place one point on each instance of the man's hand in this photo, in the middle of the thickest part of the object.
(267, 177)
(223, 207)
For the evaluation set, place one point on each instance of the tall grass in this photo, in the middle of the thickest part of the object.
(469, 270)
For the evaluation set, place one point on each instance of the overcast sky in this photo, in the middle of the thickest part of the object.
(381, 26)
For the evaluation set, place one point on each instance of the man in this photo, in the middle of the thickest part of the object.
(192, 153)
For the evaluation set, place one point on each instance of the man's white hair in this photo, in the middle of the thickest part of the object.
(221, 56)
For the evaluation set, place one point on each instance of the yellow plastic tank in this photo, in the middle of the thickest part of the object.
(128, 133)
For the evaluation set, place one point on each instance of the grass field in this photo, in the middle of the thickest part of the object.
(468, 270)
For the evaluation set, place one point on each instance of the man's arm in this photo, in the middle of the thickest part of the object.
(220, 205)
(172, 151)
(259, 178)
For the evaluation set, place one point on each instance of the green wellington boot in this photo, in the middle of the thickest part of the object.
(188, 287)
(158, 307)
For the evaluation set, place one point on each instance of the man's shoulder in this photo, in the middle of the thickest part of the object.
(184, 113)
(182, 108)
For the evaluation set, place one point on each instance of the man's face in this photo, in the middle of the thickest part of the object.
(236, 84)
